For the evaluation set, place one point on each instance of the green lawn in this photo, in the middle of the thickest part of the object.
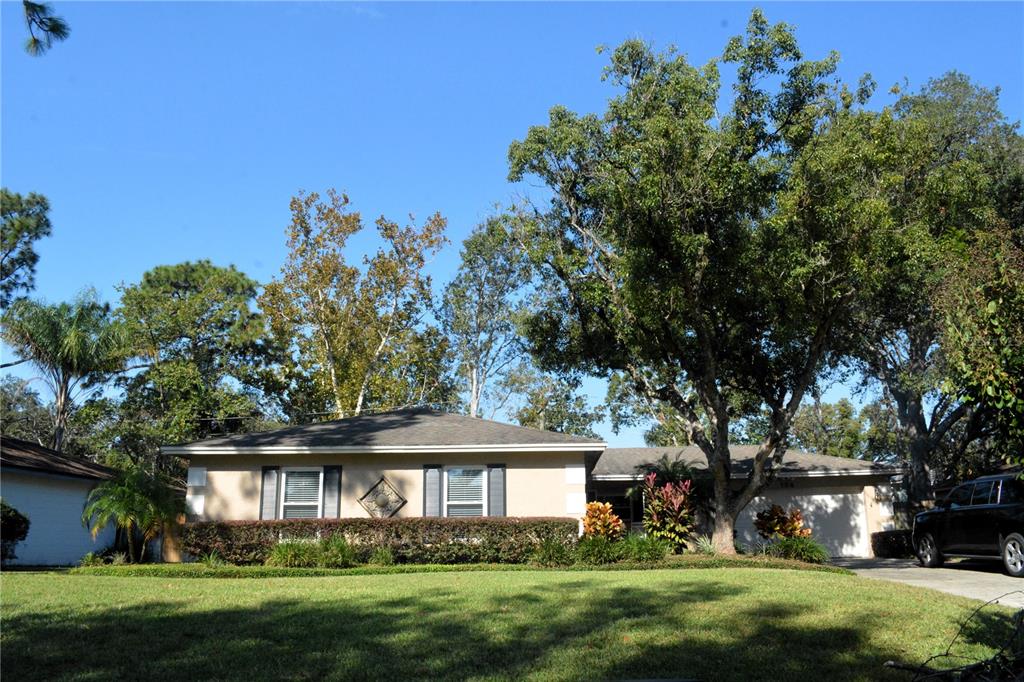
(711, 624)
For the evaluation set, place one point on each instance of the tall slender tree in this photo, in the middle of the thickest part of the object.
(347, 325)
(480, 309)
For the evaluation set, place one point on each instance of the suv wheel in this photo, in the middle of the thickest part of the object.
(928, 551)
(1013, 554)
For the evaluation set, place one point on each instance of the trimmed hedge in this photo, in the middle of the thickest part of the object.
(507, 540)
(196, 570)
(892, 544)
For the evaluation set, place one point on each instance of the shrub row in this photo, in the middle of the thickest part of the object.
(892, 544)
(410, 541)
(199, 570)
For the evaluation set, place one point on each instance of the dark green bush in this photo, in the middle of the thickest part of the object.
(553, 553)
(598, 550)
(803, 549)
(13, 529)
(410, 540)
(644, 548)
(892, 544)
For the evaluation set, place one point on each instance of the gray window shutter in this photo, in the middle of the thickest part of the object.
(495, 489)
(432, 490)
(332, 492)
(269, 491)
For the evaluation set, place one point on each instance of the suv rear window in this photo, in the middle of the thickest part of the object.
(1012, 492)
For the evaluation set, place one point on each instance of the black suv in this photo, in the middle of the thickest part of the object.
(981, 519)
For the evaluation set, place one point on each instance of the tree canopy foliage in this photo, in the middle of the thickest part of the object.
(198, 354)
(480, 310)
(44, 27)
(354, 331)
(25, 220)
(718, 260)
(75, 346)
(718, 255)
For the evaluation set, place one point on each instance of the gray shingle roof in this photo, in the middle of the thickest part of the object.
(417, 428)
(22, 454)
(624, 461)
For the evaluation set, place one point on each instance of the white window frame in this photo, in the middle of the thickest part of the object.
(319, 491)
(444, 493)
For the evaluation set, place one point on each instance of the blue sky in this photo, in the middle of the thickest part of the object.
(164, 132)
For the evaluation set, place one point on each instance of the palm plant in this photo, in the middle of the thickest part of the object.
(135, 502)
(75, 345)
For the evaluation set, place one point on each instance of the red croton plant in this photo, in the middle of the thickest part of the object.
(777, 522)
(668, 510)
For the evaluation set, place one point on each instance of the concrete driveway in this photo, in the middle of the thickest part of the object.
(982, 580)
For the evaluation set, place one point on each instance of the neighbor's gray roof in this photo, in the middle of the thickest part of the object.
(414, 429)
(619, 462)
(22, 454)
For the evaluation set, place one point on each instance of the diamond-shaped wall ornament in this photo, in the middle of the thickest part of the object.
(382, 499)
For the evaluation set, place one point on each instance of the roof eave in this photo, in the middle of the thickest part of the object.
(200, 449)
(781, 474)
(62, 474)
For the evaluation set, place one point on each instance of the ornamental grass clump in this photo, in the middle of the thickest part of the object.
(799, 548)
(601, 522)
(668, 511)
(776, 522)
(331, 552)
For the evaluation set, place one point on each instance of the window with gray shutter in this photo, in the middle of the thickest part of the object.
(495, 489)
(465, 491)
(431, 490)
(332, 492)
(301, 494)
(268, 493)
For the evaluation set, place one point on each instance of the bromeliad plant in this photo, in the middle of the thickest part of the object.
(776, 522)
(668, 511)
(601, 522)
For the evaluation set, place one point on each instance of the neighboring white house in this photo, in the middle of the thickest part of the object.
(50, 489)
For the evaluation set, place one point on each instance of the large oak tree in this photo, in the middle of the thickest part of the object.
(713, 257)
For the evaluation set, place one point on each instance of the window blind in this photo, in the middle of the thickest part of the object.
(302, 486)
(465, 485)
(465, 492)
(301, 494)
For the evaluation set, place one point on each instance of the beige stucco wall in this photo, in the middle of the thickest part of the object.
(537, 483)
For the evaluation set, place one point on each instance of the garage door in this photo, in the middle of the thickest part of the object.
(837, 519)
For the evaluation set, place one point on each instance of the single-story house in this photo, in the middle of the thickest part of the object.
(423, 462)
(50, 488)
